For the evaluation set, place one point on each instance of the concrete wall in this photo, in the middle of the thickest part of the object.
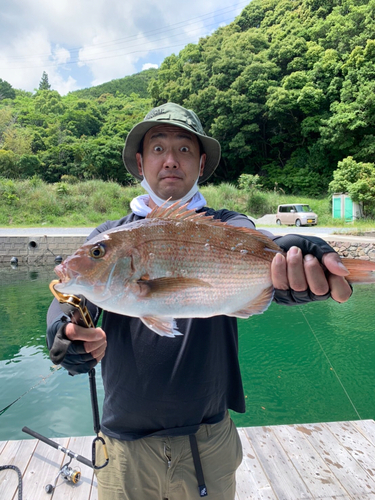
(37, 249)
(43, 249)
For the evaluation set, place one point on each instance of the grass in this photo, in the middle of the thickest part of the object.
(34, 203)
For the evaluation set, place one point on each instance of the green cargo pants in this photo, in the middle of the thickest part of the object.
(162, 468)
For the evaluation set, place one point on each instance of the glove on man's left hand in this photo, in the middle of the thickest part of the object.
(309, 245)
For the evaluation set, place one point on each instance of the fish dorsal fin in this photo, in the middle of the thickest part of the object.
(179, 212)
(175, 211)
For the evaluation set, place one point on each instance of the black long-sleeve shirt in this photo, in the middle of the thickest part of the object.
(160, 385)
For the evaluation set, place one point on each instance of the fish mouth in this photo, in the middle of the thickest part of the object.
(65, 274)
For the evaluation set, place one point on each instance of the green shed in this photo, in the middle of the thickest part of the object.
(344, 208)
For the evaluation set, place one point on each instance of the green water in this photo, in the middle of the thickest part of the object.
(300, 364)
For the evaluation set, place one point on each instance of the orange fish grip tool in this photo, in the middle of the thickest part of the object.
(69, 305)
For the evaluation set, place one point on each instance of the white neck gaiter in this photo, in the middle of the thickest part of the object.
(139, 205)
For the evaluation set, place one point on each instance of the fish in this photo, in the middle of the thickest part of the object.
(177, 263)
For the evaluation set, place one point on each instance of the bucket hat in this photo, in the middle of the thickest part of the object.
(171, 114)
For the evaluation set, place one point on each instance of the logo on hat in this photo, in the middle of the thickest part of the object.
(154, 112)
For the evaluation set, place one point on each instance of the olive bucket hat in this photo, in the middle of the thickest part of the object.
(171, 114)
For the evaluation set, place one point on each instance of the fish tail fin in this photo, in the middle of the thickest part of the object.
(361, 271)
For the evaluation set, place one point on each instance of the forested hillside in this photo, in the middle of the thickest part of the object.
(288, 89)
(137, 84)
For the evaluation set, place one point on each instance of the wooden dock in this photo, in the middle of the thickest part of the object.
(287, 462)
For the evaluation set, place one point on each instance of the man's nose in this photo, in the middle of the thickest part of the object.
(170, 160)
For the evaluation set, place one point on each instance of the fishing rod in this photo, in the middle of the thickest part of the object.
(66, 471)
(58, 446)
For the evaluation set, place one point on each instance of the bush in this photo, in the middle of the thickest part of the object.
(69, 179)
(8, 164)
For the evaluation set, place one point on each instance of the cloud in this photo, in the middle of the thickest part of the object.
(61, 55)
(80, 44)
(63, 86)
(149, 65)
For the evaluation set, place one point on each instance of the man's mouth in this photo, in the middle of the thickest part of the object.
(171, 177)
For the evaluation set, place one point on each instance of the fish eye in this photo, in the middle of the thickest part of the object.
(97, 251)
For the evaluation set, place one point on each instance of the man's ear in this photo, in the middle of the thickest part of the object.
(138, 157)
(202, 164)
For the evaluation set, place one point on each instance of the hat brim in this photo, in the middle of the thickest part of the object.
(210, 146)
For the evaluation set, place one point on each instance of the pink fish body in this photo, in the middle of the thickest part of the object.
(173, 264)
(178, 264)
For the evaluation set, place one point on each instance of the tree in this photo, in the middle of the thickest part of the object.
(8, 164)
(18, 140)
(44, 83)
(6, 90)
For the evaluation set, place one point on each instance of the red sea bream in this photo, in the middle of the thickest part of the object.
(174, 264)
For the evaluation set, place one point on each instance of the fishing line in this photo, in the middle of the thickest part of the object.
(330, 364)
(55, 368)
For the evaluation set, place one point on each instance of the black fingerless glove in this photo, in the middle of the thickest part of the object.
(308, 245)
(292, 298)
(71, 355)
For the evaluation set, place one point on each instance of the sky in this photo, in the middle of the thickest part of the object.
(82, 43)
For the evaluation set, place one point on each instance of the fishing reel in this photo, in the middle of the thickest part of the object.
(66, 472)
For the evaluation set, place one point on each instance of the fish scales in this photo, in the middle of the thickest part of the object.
(179, 264)
(207, 253)
(173, 264)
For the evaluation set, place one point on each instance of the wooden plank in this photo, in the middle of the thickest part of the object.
(2, 445)
(252, 483)
(16, 453)
(367, 428)
(42, 470)
(83, 446)
(359, 448)
(285, 480)
(346, 469)
(331, 461)
(311, 467)
(94, 490)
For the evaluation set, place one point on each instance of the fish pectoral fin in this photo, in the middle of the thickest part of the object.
(257, 305)
(167, 285)
(166, 327)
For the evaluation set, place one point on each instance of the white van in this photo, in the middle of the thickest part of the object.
(298, 214)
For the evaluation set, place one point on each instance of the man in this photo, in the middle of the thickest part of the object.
(165, 413)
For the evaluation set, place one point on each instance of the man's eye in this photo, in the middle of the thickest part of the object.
(158, 148)
(184, 149)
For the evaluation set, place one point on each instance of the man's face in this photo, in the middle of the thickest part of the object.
(171, 161)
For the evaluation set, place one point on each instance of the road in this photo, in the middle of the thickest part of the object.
(84, 231)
